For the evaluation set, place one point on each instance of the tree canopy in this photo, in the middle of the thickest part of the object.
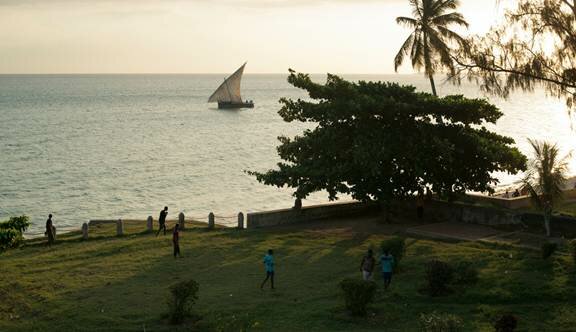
(534, 45)
(378, 141)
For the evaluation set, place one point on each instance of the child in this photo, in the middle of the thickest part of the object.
(176, 240)
(269, 265)
(387, 262)
(367, 265)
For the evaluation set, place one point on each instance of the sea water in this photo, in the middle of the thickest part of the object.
(123, 146)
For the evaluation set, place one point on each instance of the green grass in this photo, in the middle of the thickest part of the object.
(121, 283)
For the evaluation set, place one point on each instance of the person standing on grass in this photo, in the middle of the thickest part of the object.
(162, 220)
(176, 240)
(50, 230)
(387, 262)
(420, 205)
(367, 265)
(269, 265)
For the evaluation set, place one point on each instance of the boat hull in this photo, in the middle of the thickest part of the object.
(231, 105)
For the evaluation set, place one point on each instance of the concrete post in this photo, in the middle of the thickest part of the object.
(181, 220)
(150, 224)
(211, 222)
(119, 227)
(84, 231)
(240, 220)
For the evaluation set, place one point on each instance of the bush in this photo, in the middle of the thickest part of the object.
(572, 247)
(11, 232)
(397, 248)
(506, 323)
(19, 224)
(357, 295)
(548, 249)
(465, 273)
(436, 322)
(439, 275)
(9, 238)
(184, 295)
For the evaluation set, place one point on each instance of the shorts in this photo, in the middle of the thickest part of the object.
(387, 276)
(367, 275)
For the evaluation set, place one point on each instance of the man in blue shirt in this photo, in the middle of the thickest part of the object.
(387, 262)
(269, 265)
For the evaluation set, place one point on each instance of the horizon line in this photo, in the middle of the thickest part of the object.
(168, 73)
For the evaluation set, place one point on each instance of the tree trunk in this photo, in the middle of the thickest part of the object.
(433, 85)
(547, 223)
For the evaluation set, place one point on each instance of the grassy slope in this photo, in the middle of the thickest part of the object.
(111, 284)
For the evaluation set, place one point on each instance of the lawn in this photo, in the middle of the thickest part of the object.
(113, 283)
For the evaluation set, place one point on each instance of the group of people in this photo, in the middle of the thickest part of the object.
(367, 266)
(515, 194)
(175, 231)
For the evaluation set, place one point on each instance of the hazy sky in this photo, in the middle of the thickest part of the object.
(208, 36)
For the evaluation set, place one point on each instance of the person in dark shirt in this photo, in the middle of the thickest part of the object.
(50, 230)
(176, 240)
(162, 220)
(367, 265)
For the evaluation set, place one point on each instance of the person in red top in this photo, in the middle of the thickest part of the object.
(176, 240)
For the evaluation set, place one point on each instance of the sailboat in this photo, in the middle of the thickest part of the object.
(228, 93)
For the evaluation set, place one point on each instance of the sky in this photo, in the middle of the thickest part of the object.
(210, 36)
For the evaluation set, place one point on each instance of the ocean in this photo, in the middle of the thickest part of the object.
(123, 146)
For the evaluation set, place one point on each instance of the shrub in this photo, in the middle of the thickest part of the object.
(184, 295)
(397, 248)
(439, 275)
(506, 323)
(11, 232)
(465, 273)
(19, 224)
(9, 238)
(548, 249)
(572, 247)
(437, 322)
(357, 295)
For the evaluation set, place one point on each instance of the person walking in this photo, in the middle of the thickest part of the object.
(176, 240)
(269, 265)
(367, 265)
(387, 263)
(50, 230)
(162, 221)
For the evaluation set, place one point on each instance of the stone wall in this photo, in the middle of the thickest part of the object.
(442, 211)
(310, 213)
(508, 203)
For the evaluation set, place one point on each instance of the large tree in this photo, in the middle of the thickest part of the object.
(379, 141)
(534, 45)
(429, 43)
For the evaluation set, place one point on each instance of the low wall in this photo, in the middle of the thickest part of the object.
(513, 203)
(458, 212)
(310, 213)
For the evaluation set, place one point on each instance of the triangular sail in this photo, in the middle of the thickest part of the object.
(229, 91)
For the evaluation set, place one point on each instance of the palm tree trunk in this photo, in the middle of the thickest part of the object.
(433, 85)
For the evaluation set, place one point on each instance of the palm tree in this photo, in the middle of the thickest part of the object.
(546, 178)
(429, 43)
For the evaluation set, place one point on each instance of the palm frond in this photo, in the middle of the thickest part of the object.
(452, 36)
(405, 49)
(450, 18)
(407, 21)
